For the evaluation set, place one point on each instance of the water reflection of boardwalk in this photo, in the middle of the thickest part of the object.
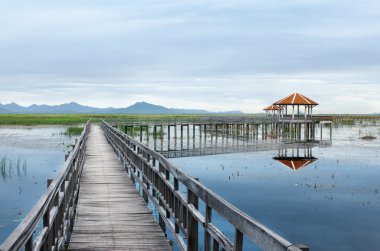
(110, 213)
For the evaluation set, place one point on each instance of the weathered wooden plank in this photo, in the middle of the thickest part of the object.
(110, 214)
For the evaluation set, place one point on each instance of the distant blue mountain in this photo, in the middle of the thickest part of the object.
(64, 108)
(3, 110)
(144, 108)
(75, 108)
(12, 107)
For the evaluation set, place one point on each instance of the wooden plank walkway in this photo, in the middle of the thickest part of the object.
(111, 215)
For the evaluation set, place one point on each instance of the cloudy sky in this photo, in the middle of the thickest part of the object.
(206, 54)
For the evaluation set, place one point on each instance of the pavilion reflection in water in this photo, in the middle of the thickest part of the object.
(295, 158)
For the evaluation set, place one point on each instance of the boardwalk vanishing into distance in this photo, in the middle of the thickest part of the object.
(93, 204)
(111, 215)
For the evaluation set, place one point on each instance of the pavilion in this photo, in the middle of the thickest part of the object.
(292, 116)
(296, 101)
(272, 110)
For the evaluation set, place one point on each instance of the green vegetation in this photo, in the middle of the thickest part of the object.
(9, 168)
(42, 119)
(352, 119)
(368, 137)
(346, 121)
(74, 119)
(73, 131)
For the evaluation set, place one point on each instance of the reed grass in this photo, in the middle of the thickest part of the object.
(8, 168)
(75, 119)
(73, 131)
(368, 137)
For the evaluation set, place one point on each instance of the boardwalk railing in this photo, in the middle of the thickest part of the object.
(195, 119)
(179, 212)
(49, 223)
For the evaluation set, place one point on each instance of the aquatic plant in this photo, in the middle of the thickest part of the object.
(3, 163)
(73, 131)
(8, 167)
(368, 137)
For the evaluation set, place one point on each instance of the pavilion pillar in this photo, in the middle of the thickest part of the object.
(298, 110)
(306, 111)
(293, 112)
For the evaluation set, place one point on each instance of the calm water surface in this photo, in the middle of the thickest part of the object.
(330, 204)
(29, 156)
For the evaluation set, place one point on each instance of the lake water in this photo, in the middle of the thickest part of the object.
(330, 204)
(333, 203)
(29, 156)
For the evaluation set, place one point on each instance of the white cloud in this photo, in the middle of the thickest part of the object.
(216, 55)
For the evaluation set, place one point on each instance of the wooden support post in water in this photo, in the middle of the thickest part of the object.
(238, 240)
(216, 133)
(205, 135)
(161, 222)
(200, 134)
(29, 244)
(168, 137)
(181, 135)
(193, 135)
(188, 133)
(46, 224)
(192, 228)
(48, 182)
(144, 194)
(175, 136)
(207, 237)
(147, 134)
(176, 206)
(155, 137)
(330, 131)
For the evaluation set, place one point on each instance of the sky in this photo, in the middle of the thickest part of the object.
(216, 55)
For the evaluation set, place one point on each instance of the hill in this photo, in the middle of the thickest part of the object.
(75, 108)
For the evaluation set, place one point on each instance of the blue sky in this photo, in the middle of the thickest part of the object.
(214, 55)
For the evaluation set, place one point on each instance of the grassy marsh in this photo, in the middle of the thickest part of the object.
(74, 119)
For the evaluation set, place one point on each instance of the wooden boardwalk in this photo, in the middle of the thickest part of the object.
(111, 215)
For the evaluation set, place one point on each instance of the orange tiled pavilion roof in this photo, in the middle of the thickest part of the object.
(295, 163)
(272, 108)
(295, 99)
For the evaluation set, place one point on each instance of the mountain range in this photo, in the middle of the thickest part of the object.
(75, 108)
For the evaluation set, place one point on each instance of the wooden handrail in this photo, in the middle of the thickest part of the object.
(179, 212)
(211, 120)
(55, 208)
